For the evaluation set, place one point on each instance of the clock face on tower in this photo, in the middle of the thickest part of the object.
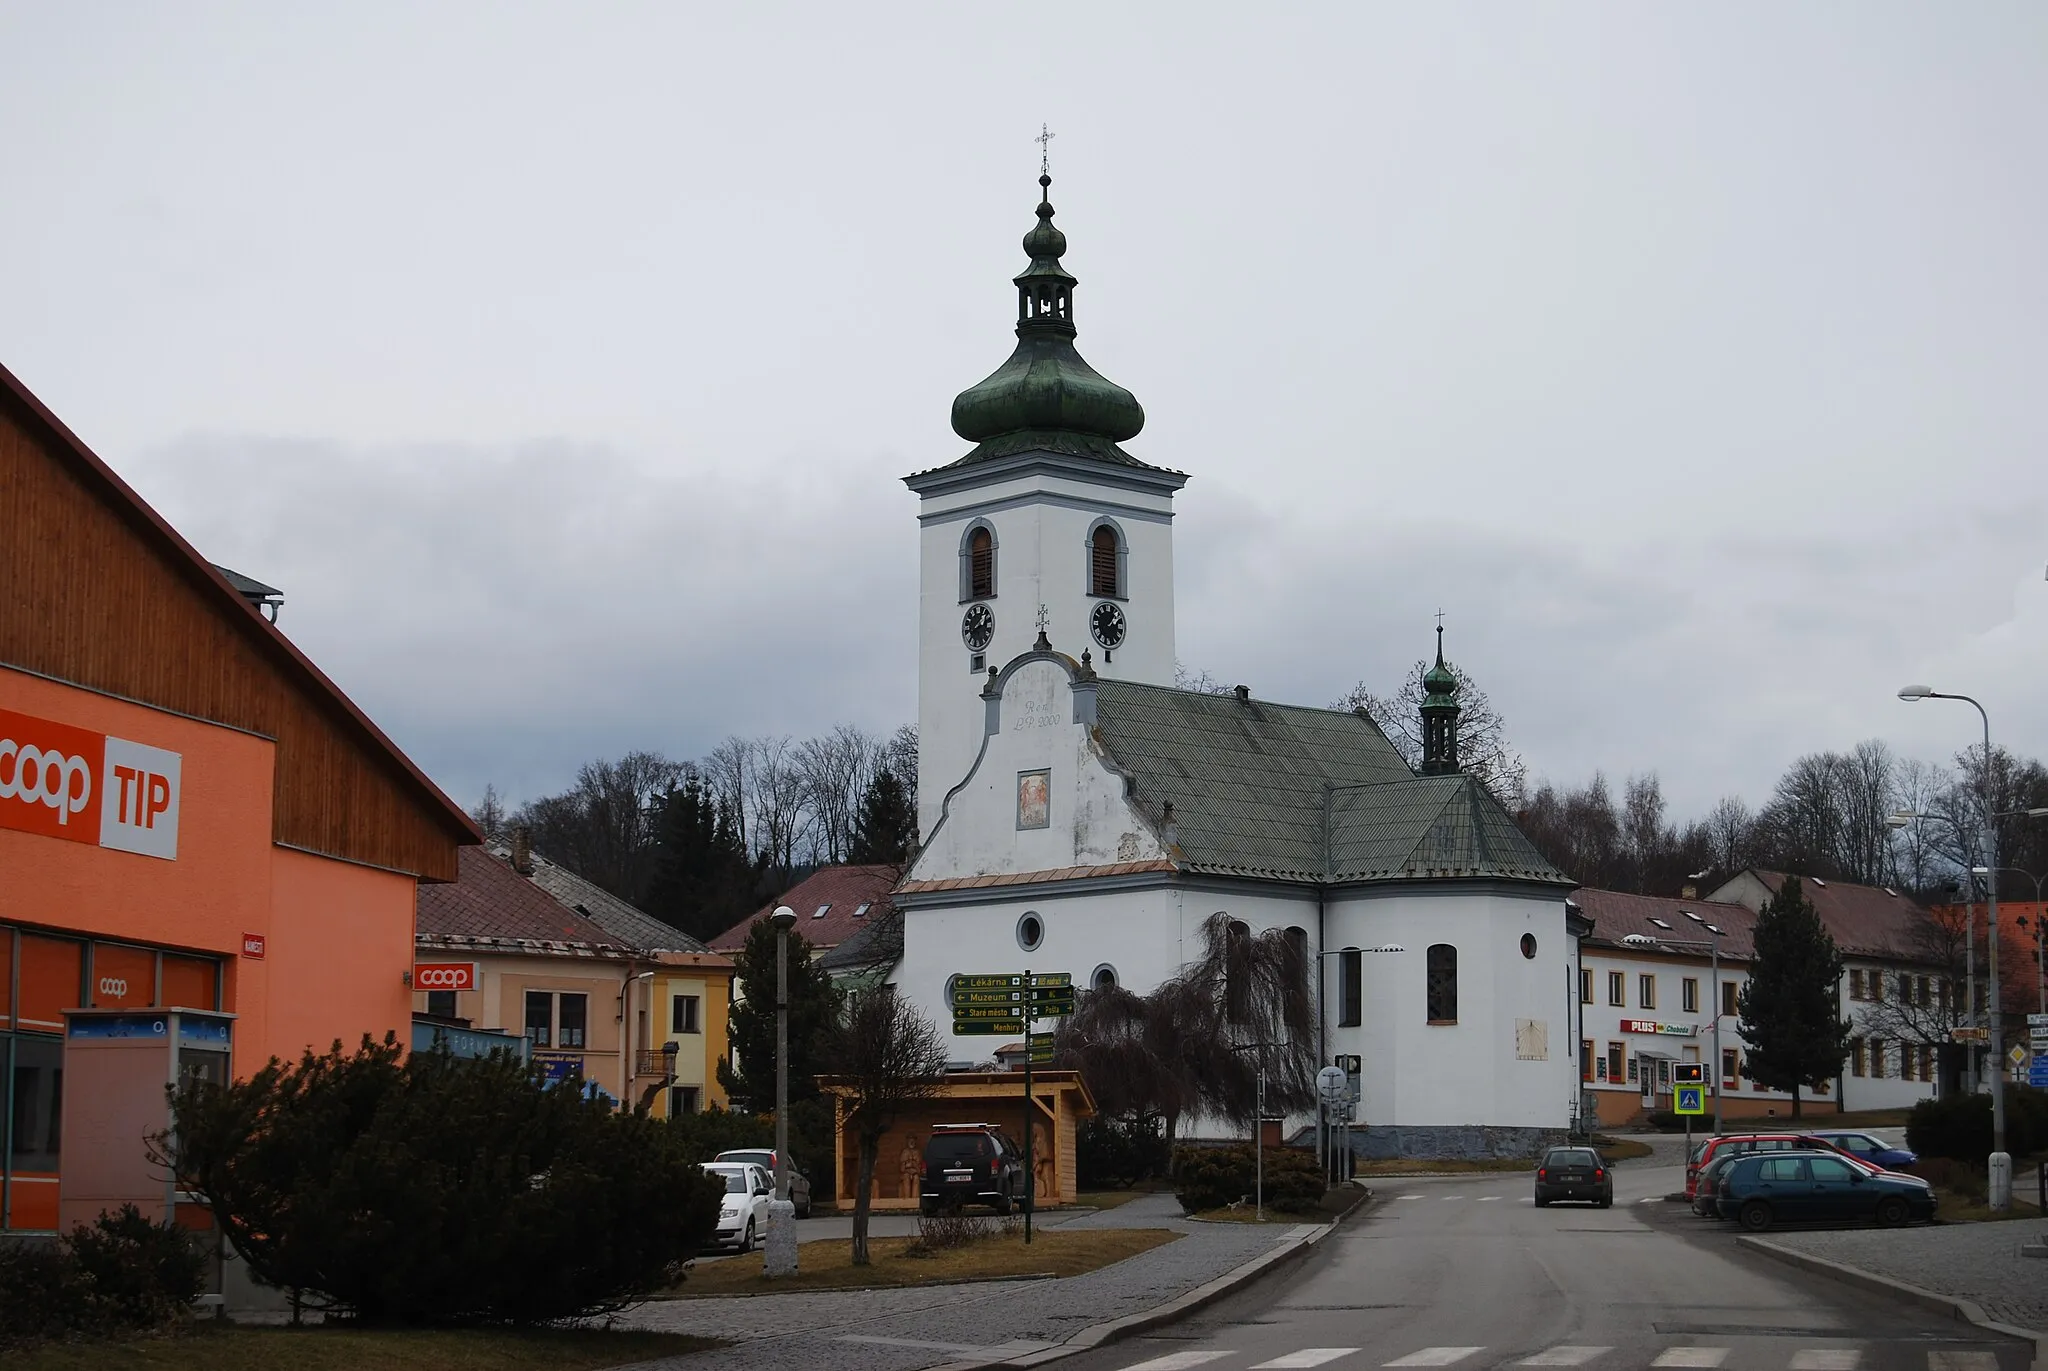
(978, 626)
(1107, 624)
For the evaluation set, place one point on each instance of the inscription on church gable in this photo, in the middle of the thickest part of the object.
(1033, 699)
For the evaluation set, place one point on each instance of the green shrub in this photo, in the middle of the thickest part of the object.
(1116, 1153)
(123, 1273)
(1959, 1126)
(1212, 1177)
(704, 1135)
(432, 1189)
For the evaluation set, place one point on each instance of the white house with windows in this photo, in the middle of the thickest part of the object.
(1081, 814)
(1648, 986)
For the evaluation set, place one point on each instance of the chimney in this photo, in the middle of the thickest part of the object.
(1243, 693)
(522, 850)
(1688, 891)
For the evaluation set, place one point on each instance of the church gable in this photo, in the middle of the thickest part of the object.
(1041, 797)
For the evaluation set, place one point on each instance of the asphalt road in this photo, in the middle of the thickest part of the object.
(1468, 1274)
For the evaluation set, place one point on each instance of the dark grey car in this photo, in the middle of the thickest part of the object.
(764, 1157)
(1574, 1173)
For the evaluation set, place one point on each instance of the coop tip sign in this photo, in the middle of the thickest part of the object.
(444, 976)
(66, 782)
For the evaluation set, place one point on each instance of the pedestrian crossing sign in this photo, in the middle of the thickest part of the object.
(1689, 1099)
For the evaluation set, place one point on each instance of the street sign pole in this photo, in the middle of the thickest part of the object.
(1030, 1170)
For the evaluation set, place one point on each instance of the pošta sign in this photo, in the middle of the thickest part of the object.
(86, 787)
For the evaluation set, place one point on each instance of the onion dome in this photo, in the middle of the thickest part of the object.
(1045, 387)
(1439, 715)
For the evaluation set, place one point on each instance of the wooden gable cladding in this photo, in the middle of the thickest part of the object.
(97, 590)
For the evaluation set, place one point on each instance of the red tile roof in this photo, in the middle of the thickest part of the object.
(832, 904)
(491, 900)
(1616, 915)
(1866, 920)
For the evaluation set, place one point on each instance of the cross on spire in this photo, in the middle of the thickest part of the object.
(1439, 621)
(1044, 141)
(1044, 618)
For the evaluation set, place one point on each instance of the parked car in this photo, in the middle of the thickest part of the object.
(1744, 1142)
(1816, 1185)
(743, 1212)
(764, 1157)
(1574, 1173)
(1861, 1145)
(970, 1163)
(1709, 1181)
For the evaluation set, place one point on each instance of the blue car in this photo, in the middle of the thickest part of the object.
(1764, 1188)
(1876, 1151)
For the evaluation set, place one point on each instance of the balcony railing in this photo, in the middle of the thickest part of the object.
(649, 1061)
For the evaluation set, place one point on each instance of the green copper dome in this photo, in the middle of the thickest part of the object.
(1046, 386)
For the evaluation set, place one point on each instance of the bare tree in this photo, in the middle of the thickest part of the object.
(1731, 835)
(1483, 749)
(1901, 1009)
(1868, 777)
(780, 799)
(603, 827)
(1802, 824)
(489, 814)
(728, 772)
(899, 757)
(1917, 788)
(1201, 682)
(886, 1057)
(835, 771)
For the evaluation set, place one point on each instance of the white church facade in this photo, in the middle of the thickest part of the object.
(1081, 814)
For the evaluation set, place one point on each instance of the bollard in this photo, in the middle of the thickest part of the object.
(2001, 1180)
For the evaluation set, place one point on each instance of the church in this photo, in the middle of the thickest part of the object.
(1081, 814)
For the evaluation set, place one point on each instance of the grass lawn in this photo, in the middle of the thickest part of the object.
(1408, 1166)
(827, 1264)
(1623, 1149)
(215, 1348)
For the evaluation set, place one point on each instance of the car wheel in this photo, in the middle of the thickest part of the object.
(747, 1239)
(804, 1209)
(1891, 1211)
(1002, 1203)
(1542, 1203)
(1756, 1216)
(1607, 1203)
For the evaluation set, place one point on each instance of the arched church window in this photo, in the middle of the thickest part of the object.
(978, 559)
(1105, 562)
(1442, 969)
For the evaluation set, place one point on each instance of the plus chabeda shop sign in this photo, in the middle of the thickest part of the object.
(67, 782)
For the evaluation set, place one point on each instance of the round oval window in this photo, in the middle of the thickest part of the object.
(1529, 946)
(1030, 932)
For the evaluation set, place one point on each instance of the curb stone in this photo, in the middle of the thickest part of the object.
(1131, 1325)
(1968, 1311)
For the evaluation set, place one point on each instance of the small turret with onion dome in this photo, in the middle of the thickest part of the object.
(1439, 715)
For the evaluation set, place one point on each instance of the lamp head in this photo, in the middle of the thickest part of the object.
(784, 918)
(1915, 692)
(671, 1048)
(1899, 820)
(1639, 940)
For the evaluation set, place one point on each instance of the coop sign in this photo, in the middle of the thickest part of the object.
(85, 787)
(1668, 1030)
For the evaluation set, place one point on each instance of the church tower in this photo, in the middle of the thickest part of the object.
(1047, 522)
(1439, 715)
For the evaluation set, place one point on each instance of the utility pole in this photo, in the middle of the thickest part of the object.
(779, 1258)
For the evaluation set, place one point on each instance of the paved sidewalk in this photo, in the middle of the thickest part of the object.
(906, 1330)
(1971, 1261)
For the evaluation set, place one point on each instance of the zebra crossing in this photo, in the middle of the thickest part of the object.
(1832, 1358)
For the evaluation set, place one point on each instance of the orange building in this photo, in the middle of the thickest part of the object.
(206, 850)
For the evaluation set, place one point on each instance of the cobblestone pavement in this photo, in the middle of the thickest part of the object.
(903, 1330)
(1972, 1261)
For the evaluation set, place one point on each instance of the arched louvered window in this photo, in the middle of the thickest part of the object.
(1106, 561)
(1442, 970)
(981, 564)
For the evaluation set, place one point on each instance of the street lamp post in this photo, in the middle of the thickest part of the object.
(1322, 1052)
(2000, 1161)
(780, 1257)
(1712, 944)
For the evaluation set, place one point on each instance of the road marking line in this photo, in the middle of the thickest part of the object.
(1454, 1197)
(1827, 1359)
(1434, 1356)
(1962, 1361)
(1563, 1356)
(1177, 1361)
(1307, 1356)
(1484, 1198)
(1651, 1199)
(912, 1342)
(1414, 1197)
(1698, 1357)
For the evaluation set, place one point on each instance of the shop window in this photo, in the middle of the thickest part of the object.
(1646, 990)
(1442, 986)
(52, 981)
(1728, 998)
(35, 1119)
(1585, 1059)
(682, 1015)
(1634, 1065)
(1614, 1068)
(1350, 989)
(540, 1015)
(574, 1017)
(190, 982)
(685, 1099)
(122, 977)
(1585, 987)
(1663, 1073)
(441, 1003)
(1689, 994)
(1617, 989)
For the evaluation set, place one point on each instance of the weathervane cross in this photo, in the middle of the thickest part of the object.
(1044, 141)
(1044, 618)
(1439, 621)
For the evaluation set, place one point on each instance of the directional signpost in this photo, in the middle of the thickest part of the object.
(1007, 1006)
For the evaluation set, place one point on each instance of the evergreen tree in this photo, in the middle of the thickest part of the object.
(885, 832)
(1789, 1006)
(703, 881)
(748, 1070)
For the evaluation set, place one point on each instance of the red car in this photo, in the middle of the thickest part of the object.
(1749, 1142)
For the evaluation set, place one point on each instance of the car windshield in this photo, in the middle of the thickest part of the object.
(735, 1180)
(1572, 1156)
(956, 1147)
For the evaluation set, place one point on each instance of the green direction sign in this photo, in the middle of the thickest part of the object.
(987, 982)
(1010, 997)
(1046, 979)
(1005, 1012)
(984, 1028)
(1043, 1040)
(1689, 1099)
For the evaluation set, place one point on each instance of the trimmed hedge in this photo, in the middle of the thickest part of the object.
(1119, 1152)
(122, 1274)
(1207, 1178)
(1958, 1127)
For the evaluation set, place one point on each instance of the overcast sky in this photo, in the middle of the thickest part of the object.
(560, 363)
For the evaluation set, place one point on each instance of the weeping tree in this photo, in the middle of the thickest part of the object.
(1199, 1042)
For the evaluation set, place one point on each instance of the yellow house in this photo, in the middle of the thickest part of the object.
(594, 984)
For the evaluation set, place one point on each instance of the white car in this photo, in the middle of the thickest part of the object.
(743, 1209)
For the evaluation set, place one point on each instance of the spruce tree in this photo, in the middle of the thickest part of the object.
(885, 832)
(748, 1070)
(703, 881)
(1789, 1007)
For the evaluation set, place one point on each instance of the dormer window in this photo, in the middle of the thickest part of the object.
(1106, 561)
(978, 563)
